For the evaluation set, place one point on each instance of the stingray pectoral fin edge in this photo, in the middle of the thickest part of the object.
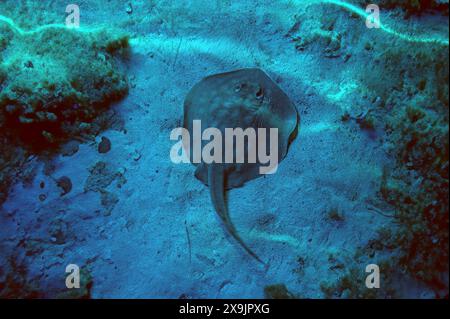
(216, 182)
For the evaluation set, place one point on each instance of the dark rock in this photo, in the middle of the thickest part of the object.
(104, 146)
(65, 184)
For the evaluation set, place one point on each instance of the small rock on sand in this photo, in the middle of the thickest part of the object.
(104, 146)
(65, 184)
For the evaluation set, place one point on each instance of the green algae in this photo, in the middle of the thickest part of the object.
(277, 291)
(418, 127)
(414, 114)
(54, 80)
(56, 84)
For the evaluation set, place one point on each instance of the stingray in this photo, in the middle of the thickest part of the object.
(245, 98)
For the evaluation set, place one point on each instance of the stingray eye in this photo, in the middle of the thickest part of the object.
(260, 93)
(240, 87)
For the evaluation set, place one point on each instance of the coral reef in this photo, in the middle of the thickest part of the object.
(277, 291)
(352, 285)
(57, 81)
(407, 109)
(418, 189)
(413, 111)
(14, 281)
(56, 85)
(413, 6)
(84, 292)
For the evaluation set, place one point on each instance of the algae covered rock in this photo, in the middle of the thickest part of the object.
(277, 291)
(104, 146)
(56, 85)
(53, 80)
(414, 6)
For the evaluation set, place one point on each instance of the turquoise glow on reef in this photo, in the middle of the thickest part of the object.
(348, 6)
(362, 13)
(20, 31)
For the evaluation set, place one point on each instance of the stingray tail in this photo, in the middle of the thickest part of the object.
(216, 183)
